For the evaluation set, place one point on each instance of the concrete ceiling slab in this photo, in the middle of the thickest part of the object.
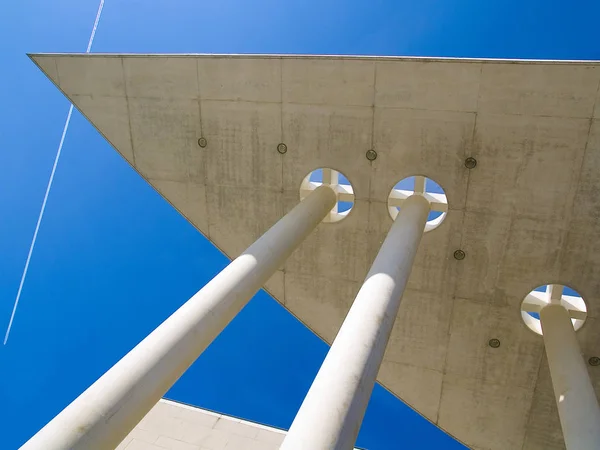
(170, 78)
(102, 77)
(324, 136)
(322, 81)
(527, 215)
(558, 90)
(412, 139)
(113, 114)
(159, 124)
(428, 85)
(414, 385)
(497, 413)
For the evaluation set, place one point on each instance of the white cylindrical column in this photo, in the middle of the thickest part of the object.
(575, 397)
(107, 411)
(333, 409)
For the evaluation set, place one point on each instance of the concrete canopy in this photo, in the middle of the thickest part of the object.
(527, 215)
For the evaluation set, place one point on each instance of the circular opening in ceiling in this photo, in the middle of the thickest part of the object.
(426, 187)
(341, 186)
(552, 293)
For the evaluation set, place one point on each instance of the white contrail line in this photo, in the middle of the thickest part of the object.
(56, 158)
(90, 42)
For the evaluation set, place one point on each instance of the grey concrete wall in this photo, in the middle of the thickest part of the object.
(174, 426)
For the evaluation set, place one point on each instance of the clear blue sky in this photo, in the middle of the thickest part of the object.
(113, 259)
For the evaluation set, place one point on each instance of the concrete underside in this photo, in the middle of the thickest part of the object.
(527, 215)
(174, 426)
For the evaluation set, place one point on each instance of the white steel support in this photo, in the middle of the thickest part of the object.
(575, 397)
(107, 411)
(333, 409)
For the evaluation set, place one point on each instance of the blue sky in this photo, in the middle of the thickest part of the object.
(113, 259)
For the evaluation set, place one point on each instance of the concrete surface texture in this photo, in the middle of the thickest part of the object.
(526, 215)
(174, 426)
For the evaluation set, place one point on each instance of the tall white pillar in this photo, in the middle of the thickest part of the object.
(575, 397)
(107, 411)
(333, 409)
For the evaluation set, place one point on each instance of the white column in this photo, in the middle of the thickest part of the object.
(333, 409)
(109, 409)
(575, 397)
